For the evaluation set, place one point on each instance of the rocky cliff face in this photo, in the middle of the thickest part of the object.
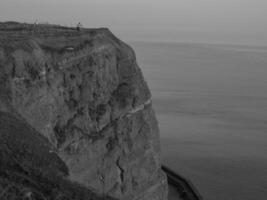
(29, 170)
(84, 92)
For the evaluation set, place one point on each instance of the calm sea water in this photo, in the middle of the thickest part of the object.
(211, 104)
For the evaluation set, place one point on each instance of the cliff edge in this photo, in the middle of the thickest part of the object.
(84, 92)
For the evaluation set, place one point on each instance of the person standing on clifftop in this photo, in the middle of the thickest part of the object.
(34, 26)
(79, 26)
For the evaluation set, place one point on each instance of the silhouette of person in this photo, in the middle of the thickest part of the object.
(79, 26)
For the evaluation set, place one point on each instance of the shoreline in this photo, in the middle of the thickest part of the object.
(186, 190)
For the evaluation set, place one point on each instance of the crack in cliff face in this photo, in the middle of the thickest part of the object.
(121, 172)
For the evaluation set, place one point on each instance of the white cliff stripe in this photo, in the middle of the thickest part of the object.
(70, 48)
(135, 110)
(130, 113)
(43, 72)
(71, 59)
(139, 108)
(148, 102)
(101, 48)
(19, 79)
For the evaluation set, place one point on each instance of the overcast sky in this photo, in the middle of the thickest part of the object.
(222, 21)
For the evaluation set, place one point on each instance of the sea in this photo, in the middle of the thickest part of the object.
(211, 105)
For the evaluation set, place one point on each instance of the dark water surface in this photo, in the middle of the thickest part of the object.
(211, 103)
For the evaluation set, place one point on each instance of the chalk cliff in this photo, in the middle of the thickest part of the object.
(84, 92)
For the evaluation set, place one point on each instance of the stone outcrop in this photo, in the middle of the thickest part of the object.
(85, 93)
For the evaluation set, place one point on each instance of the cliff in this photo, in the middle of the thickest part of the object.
(84, 92)
(28, 169)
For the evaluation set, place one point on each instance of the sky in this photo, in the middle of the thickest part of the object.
(202, 21)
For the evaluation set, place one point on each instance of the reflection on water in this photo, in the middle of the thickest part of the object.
(211, 103)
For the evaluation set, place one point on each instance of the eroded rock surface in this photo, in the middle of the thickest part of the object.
(84, 92)
(29, 170)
